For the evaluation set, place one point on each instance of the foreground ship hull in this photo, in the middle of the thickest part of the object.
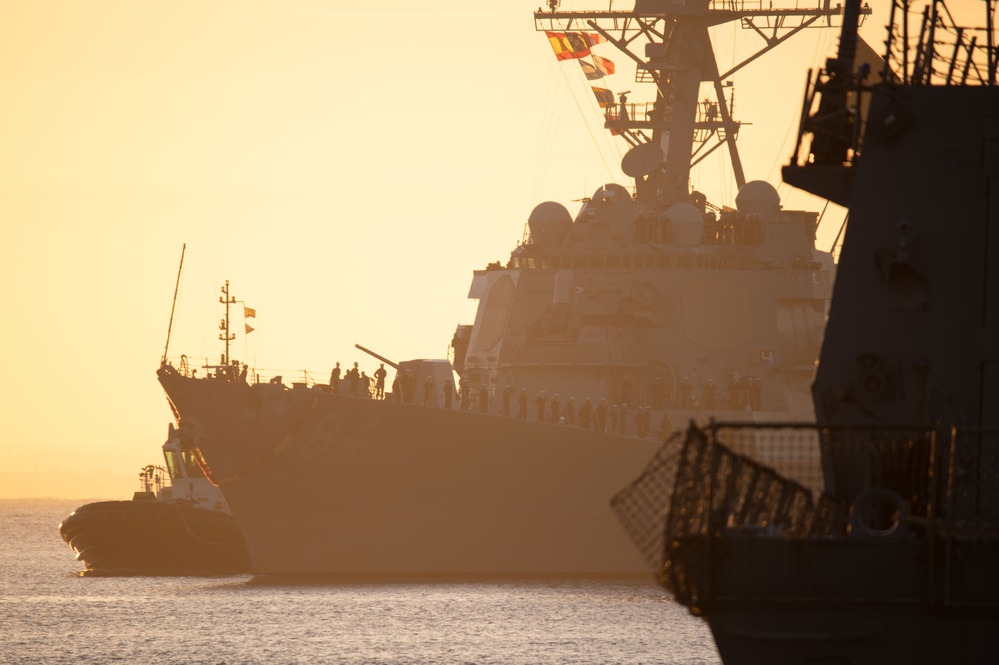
(800, 607)
(891, 558)
(784, 575)
(154, 538)
(324, 484)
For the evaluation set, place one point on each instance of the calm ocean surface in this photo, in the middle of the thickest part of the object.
(50, 614)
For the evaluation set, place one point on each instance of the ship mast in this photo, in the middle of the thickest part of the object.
(173, 306)
(678, 57)
(225, 335)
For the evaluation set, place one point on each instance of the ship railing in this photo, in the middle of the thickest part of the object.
(941, 52)
(153, 479)
(641, 115)
(931, 494)
(204, 368)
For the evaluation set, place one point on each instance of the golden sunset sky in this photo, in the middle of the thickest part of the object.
(345, 165)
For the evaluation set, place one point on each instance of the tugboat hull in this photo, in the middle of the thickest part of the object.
(154, 538)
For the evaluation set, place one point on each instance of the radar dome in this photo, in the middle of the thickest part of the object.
(686, 224)
(611, 193)
(757, 197)
(549, 223)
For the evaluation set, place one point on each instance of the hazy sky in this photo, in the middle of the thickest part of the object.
(345, 169)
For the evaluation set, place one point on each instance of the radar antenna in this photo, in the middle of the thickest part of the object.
(671, 45)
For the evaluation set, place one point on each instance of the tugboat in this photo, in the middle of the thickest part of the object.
(178, 523)
(890, 555)
(651, 307)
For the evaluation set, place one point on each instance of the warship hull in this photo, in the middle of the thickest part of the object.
(857, 600)
(326, 484)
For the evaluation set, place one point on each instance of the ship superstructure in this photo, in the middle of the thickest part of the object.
(649, 308)
(653, 296)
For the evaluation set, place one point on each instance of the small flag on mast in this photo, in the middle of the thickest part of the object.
(249, 312)
(604, 66)
(589, 70)
(248, 328)
(604, 96)
(568, 45)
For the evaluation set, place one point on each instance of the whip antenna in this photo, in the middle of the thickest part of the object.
(172, 306)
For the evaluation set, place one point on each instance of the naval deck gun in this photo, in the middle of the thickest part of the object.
(371, 353)
(427, 381)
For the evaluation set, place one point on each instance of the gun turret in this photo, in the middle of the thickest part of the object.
(385, 360)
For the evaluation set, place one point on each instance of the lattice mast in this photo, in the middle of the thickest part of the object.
(678, 56)
(225, 335)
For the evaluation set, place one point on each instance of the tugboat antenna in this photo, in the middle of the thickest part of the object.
(174, 304)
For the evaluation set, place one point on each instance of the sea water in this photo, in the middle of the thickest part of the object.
(51, 614)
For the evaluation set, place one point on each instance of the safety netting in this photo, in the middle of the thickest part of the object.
(799, 482)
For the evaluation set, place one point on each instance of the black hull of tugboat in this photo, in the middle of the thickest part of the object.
(154, 538)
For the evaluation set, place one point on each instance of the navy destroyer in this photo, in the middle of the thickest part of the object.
(651, 307)
(889, 555)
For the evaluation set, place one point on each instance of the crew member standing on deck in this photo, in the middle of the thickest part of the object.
(484, 398)
(380, 381)
(353, 378)
(540, 402)
(584, 414)
(335, 378)
(428, 391)
(408, 386)
(522, 404)
(506, 400)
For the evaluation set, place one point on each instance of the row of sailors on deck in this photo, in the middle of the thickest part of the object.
(358, 382)
(743, 392)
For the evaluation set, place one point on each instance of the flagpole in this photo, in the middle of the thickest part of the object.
(174, 305)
